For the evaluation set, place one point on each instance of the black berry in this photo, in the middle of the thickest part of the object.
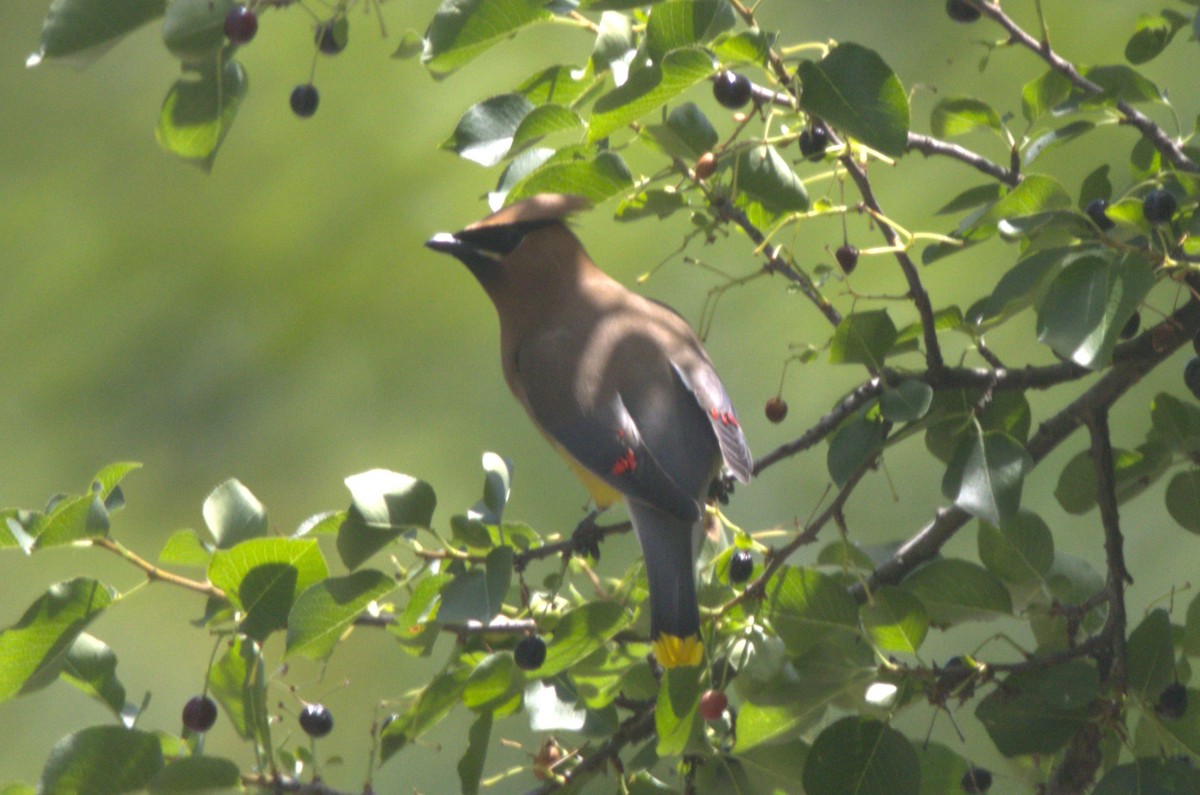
(713, 704)
(1191, 376)
(813, 141)
(1095, 211)
(847, 258)
(240, 24)
(776, 409)
(1131, 326)
(732, 90)
(316, 720)
(976, 780)
(961, 11)
(1173, 700)
(331, 36)
(304, 100)
(199, 713)
(741, 564)
(1159, 206)
(530, 653)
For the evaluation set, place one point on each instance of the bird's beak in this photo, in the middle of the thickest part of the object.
(445, 242)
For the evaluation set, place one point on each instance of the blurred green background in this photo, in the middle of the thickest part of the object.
(280, 322)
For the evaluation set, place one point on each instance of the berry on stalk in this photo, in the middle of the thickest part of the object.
(741, 565)
(706, 166)
(1159, 206)
(847, 258)
(962, 11)
(813, 141)
(732, 90)
(776, 409)
(305, 100)
(240, 24)
(976, 780)
(332, 35)
(713, 704)
(1095, 211)
(199, 713)
(530, 653)
(316, 720)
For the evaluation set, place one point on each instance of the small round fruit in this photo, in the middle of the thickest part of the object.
(304, 100)
(199, 713)
(1159, 206)
(706, 166)
(1173, 700)
(1191, 376)
(961, 11)
(847, 258)
(732, 90)
(530, 653)
(316, 720)
(976, 780)
(741, 564)
(776, 409)
(331, 36)
(813, 141)
(1095, 211)
(240, 24)
(713, 704)
(1131, 326)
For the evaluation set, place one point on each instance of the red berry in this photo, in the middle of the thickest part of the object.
(776, 409)
(713, 704)
(706, 166)
(961, 11)
(304, 100)
(240, 24)
(847, 258)
(530, 653)
(316, 720)
(732, 90)
(199, 713)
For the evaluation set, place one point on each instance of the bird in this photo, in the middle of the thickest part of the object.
(619, 385)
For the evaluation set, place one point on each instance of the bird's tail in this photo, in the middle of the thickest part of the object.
(669, 551)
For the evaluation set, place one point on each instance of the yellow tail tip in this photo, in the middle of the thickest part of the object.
(672, 651)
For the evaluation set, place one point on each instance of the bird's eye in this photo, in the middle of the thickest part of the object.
(501, 239)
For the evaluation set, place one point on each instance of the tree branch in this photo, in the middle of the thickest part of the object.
(635, 728)
(928, 145)
(154, 572)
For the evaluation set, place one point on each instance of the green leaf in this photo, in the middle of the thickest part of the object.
(855, 442)
(763, 175)
(1037, 711)
(463, 29)
(101, 760)
(562, 85)
(986, 475)
(1183, 500)
(1021, 286)
(543, 121)
(385, 505)
(657, 203)
(960, 115)
(1154, 32)
(91, 666)
(907, 402)
(494, 681)
(862, 756)
(969, 199)
(35, 648)
(896, 620)
(675, 711)
(194, 30)
(1150, 776)
(484, 134)
(80, 31)
(805, 605)
(477, 595)
(262, 578)
(1119, 83)
(687, 133)
(430, 706)
(1150, 656)
(1191, 635)
(238, 684)
(1088, 303)
(470, 766)
(1135, 470)
(1054, 138)
(106, 483)
(615, 46)
(326, 610)
(855, 91)
(1176, 424)
(184, 548)
(196, 774)
(234, 515)
(1039, 96)
(73, 519)
(580, 632)
(682, 23)
(942, 770)
(1020, 553)
(863, 338)
(596, 178)
(1096, 185)
(954, 591)
(746, 46)
(648, 89)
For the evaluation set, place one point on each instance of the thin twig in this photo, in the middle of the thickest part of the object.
(635, 728)
(928, 145)
(154, 572)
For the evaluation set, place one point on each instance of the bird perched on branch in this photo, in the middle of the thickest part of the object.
(620, 386)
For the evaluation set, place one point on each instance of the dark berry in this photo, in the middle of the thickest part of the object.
(976, 780)
(304, 100)
(199, 713)
(741, 564)
(813, 141)
(732, 90)
(240, 24)
(961, 11)
(776, 409)
(713, 704)
(1191, 376)
(316, 720)
(530, 653)
(1196, 344)
(1173, 700)
(1131, 326)
(1159, 206)
(1095, 211)
(706, 166)
(847, 258)
(332, 36)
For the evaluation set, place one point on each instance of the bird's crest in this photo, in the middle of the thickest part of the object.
(542, 207)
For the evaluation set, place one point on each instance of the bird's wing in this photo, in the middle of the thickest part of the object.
(710, 393)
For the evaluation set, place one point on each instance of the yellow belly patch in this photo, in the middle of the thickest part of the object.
(602, 494)
(672, 651)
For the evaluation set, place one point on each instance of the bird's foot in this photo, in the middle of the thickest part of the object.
(585, 537)
(720, 488)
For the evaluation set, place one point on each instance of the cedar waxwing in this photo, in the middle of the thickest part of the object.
(620, 386)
